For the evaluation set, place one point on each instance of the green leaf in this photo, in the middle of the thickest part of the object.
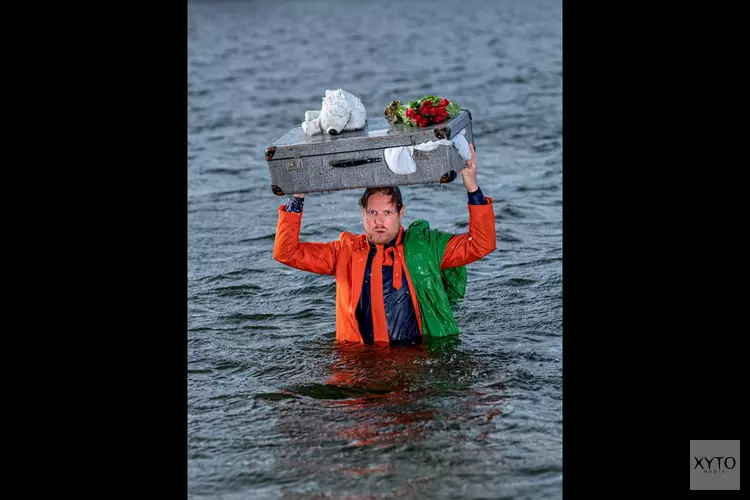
(453, 108)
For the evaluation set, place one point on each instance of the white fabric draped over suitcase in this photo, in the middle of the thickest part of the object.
(400, 159)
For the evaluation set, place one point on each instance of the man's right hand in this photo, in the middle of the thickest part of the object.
(298, 195)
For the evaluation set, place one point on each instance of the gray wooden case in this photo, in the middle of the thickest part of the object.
(299, 163)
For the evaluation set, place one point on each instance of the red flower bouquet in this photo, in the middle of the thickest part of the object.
(421, 113)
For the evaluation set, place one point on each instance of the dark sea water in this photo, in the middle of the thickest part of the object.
(275, 409)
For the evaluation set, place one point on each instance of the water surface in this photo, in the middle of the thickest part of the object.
(275, 409)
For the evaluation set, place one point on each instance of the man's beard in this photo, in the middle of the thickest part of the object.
(380, 238)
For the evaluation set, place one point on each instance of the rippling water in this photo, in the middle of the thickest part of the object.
(275, 410)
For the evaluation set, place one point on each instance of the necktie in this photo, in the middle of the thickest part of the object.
(379, 322)
(391, 259)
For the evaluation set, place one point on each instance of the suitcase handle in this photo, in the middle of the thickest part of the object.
(353, 163)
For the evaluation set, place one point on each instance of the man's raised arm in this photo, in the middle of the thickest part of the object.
(317, 258)
(480, 241)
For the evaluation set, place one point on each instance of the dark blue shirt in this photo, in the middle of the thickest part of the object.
(400, 317)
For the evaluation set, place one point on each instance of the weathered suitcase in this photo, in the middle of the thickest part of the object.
(299, 163)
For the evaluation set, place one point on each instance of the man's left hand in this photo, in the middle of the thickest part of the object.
(469, 172)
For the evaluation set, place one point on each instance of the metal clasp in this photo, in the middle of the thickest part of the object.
(295, 163)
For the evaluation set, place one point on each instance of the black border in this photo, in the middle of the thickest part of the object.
(648, 358)
(121, 75)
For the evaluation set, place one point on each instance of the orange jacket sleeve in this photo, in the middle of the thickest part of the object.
(463, 249)
(317, 258)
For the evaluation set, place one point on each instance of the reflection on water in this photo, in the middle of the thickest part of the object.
(394, 403)
(391, 409)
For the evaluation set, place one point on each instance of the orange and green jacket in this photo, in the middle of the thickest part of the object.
(346, 259)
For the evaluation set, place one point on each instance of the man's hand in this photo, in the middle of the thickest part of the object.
(298, 195)
(469, 172)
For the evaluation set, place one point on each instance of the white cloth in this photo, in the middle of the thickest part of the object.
(400, 160)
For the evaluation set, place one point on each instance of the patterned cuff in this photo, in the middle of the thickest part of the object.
(477, 198)
(295, 204)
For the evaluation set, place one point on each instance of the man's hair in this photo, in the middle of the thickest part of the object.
(393, 191)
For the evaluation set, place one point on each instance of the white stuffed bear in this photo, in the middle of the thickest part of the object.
(341, 112)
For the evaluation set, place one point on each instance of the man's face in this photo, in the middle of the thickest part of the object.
(381, 220)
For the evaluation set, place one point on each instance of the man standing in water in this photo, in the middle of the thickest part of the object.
(393, 286)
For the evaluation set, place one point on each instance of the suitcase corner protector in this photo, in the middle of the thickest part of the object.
(448, 177)
(277, 190)
(270, 151)
(443, 133)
